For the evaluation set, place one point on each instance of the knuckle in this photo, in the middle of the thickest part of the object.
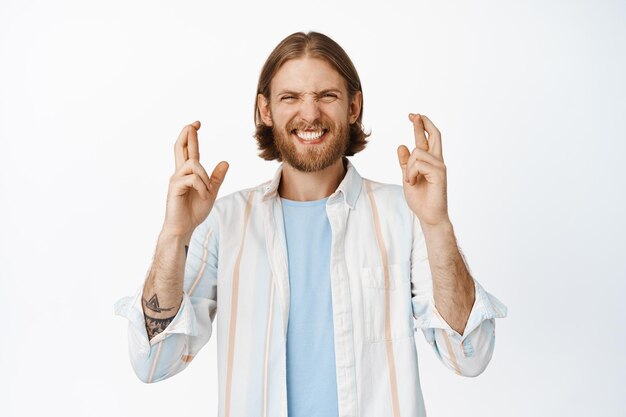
(417, 152)
(197, 165)
(198, 168)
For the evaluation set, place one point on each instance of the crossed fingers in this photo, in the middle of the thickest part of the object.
(421, 126)
(187, 157)
(186, 146)
(426, 158)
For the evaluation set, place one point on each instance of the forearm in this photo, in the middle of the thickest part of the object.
(163, 290)
(453, 286)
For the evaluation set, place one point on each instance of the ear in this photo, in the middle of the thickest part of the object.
(264, 109)
(355, 107)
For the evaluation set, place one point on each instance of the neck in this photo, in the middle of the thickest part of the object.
(308, 186)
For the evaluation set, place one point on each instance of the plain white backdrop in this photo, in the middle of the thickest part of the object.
(529, 97)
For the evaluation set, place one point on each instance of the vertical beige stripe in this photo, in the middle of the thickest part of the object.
(451, 352)
(391, 363)
(205, 254)
(268, 335)
(457, 369)
(233, 307)
(154, 362)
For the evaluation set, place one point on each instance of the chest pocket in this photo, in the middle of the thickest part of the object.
(387, 314)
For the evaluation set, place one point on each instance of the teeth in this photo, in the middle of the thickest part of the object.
(309, 135)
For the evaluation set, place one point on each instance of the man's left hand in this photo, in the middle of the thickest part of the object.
(424, 173)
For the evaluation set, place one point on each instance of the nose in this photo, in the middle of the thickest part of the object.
(309, 110)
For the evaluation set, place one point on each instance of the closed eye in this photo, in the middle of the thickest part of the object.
(328, 97)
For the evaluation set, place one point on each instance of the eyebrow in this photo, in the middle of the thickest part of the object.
(319, 93)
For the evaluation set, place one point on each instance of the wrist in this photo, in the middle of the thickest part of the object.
(171, 237)
(437, 228)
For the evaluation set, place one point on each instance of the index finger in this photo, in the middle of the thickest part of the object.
(186, 146)
(193, 152)
(434, 137)
(418, 130)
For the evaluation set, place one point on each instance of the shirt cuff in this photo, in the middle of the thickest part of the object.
(485, 307)
(131, 308)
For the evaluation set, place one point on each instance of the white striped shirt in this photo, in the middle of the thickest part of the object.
(382, 293)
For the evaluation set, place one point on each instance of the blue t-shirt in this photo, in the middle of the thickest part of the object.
(311, 375)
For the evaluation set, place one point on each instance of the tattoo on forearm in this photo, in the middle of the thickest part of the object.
(156, 326)
(153, 304)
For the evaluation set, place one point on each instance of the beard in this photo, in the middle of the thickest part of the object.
(314, 157)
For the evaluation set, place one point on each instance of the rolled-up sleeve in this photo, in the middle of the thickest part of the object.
(173, 349)
(467, 354)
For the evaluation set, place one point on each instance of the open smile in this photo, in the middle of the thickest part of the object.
(310, 137)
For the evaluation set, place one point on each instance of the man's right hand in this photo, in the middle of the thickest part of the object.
(191, 192)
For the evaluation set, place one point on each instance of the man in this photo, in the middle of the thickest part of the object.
(321, 274)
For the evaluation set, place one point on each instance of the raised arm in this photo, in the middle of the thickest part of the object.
(191, 196)
(455, 313)
(183, 260)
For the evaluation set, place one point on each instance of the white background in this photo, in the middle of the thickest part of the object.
(529, 97)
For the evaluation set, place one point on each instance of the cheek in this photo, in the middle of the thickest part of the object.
(283, 118)
(337, 113)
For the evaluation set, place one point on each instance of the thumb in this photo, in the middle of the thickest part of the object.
(218, 175)
(403, 158)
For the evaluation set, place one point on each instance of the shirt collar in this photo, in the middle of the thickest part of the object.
(349, 188)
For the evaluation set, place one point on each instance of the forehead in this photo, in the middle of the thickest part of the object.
(306, 74)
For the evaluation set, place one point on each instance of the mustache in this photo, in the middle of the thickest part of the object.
(307, 126)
